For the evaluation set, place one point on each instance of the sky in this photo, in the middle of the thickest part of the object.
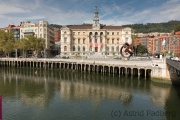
(66, 12)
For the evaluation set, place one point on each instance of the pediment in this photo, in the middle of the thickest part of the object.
(64, 28)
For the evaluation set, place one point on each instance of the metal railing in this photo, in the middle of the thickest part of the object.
(173, 63)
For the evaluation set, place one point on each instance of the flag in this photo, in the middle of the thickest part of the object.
(164, 41)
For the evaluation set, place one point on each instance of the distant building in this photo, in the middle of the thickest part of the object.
(86, 40)
(57, 34)
(14, 29)
(155, 44)
(42, 29)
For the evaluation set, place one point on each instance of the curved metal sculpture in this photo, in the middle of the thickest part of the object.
(127, 50)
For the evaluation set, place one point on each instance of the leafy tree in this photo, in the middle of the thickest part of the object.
(177, 28)
(154, 27)
(133, 37)
(141, 49)
(6, 42)
(24, 45)
(31, 43)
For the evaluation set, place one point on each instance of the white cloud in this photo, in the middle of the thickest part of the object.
(8, 8)
(112, 14)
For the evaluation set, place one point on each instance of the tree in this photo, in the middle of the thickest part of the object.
(32, 43)
(6, 42)
(154, 27)
(177, 28)
(133, 37)
(24, 45)
(141, 49)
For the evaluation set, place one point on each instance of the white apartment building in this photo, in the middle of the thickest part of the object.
(41, 30)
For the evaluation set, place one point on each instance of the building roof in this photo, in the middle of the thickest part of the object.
(177, 33)
(80, 27)
(90, 27)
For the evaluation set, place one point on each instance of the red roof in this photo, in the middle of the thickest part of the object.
(177, 33)
(80, 27)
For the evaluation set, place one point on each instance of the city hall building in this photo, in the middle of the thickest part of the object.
(86, 40)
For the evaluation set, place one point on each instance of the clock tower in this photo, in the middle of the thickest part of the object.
(96, 25)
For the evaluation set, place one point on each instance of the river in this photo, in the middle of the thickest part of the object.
(54, 94)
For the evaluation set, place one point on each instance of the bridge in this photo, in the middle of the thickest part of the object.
(173, 67)
(161, 70)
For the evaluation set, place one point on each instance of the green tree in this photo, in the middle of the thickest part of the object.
(31, 43)
(6, 42)
(133, 37)
(24, 45)
(154, 27)
(177, 28)
(141, 49)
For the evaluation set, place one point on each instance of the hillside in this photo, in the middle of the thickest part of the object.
(154, 27)
(166, 27)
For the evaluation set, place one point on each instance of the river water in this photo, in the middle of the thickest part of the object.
(38, 94)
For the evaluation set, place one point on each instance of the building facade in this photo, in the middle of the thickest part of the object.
(96, 38)
(41, 30)
(160, 44)
(57, 35)
(14, 29)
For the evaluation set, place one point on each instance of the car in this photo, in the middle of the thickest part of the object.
(117, 57)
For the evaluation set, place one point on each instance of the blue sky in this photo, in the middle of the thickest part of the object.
(111, 12)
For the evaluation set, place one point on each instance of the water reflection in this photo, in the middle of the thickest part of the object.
(39, 87)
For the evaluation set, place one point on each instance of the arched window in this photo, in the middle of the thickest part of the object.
(84, 40)
(112, 49)
(78, 40)
(74, 49)
(65, 48)
(90, 35)
(117, 40)
(108, 41)
(113, 41)
(101, 39)
(78, 48)
(83, 48)
(101, 34)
